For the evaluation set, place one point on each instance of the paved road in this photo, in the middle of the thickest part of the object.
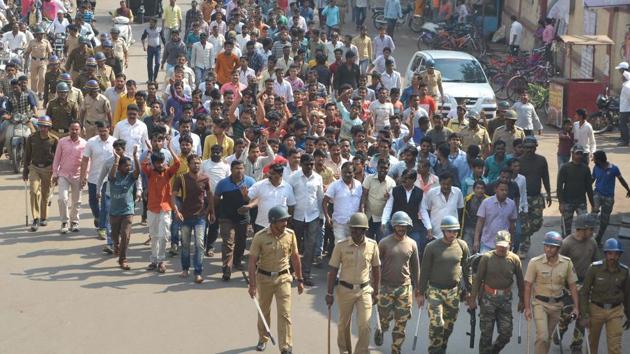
(60, 294)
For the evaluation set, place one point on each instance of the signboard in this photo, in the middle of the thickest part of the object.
(556, 104)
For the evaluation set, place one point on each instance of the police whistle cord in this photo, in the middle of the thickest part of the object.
(415, 336)
(473, 325)
(260, 313)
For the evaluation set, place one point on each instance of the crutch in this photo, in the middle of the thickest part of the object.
(529, 326)
(520, 325)
(415, 336)
(378, 319)
(557, 331)
(329, 316)
(260, 313)
(26, 202)
(588, 342)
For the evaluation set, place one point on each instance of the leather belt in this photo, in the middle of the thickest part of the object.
(353, 286)
(548, 299)
(606, 306)
(39, 58)
(443, 287)
(273, 274)
(41, 165)
(496, 292)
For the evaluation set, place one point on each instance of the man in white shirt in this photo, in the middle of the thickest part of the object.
(215, 168)
(201, 57)
(244, 71)
(98, 150)
(185, 128)
(308, 189)
(298, 21)
(217, 40)
(345, 194)
(15, 39)
(390, 78)
(132, 130)
(516, 36)
(282, 87)
(624, 104)
(583, 134)
(439, 202)
(381, 110)
(268, 193)
(382, 41)
(526, 116)
(378, 64)
(331, 45)
(60, 23)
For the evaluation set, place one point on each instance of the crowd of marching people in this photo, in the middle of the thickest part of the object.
(270, 120)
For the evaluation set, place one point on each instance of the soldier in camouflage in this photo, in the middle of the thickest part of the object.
(399, 275)
(443, 271)
(492, 287)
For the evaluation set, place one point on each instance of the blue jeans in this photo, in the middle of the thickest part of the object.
(200, 75)
(360, 15)
(153, 62)
(176, 226)
(363, 65)
(562, 159)
(198, 225)
(100, 209)
(517, 235)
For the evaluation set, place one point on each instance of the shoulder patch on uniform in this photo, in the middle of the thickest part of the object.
(598, 263)
(563, 258)
(369, 240)
(537, 258)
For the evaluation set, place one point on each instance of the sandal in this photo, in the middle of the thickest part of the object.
(161, 268)
(198, 279)
(124, 265)
(152, 266)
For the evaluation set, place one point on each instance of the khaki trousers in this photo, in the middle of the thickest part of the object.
(40, 181)
(280, 287)
(546, 317)
(613, 319)
(234, 237)
(69, 199)
(347, 300)
(38, 71)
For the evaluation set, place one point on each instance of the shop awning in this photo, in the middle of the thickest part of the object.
(574, 39)
(606, 3)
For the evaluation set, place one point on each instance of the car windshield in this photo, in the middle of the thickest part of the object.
(460, 70)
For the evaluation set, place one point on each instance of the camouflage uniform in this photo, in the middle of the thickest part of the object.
(567, 215)
(495, 309)
(395, 303)
(443, 309)
(534, 220)
(605, 207)
(563, 326)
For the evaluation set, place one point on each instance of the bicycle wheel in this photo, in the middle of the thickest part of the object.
(379, 20)
(425, 41)
(516, 86)
(499, 82)
(599, 122)
(415, 23)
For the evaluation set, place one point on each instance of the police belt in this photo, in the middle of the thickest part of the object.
(549, 299)
(606, 306)
(273, 274)
(38, 58)
(442, 287)
(496, 292)
(353, 286)
(41, 165)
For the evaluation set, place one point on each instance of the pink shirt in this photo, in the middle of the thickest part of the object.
(548, 34)
(67, 162)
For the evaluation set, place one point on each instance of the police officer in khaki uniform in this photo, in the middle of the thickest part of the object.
(508, 132)
(51, 79)
(546, 278)
(95, 108)
(88, 73)
(38, 158)
(62, 111)
(74, 94)
(358, 258)
(39, 50)
(492, 287)
(605, 298)
(270, 253)
(433, 79)
(104, 72)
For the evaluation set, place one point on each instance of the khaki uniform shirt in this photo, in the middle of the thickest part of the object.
(433, 81)
(501, 133)
(40, 152)
(605, 287)
(355, 261)
(106, 73)
(72, 43)
(76, 59)
(550, 279)
(273, 253)
(39, 50)
(119, 48)
(62, 113)
(96, 109)
(76, 95)
(477, 137)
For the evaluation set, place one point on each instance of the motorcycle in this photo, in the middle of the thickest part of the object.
(409, 17)
(607, 116)
(16, 132)
(59, 44)
(123, 24)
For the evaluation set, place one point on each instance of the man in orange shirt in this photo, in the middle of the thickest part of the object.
(226, 63)
(159, 202)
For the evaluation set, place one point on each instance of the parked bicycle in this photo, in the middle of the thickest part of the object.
(413, 21)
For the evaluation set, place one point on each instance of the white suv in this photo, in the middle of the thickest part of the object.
(462, 78)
